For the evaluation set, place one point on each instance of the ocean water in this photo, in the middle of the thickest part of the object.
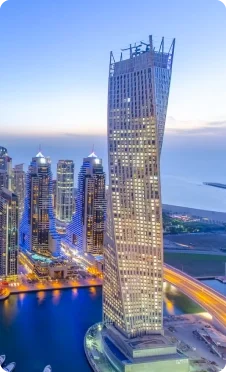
(185, 164)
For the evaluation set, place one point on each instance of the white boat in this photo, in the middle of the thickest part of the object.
(2, 359)
(10, 367)
(48, 369)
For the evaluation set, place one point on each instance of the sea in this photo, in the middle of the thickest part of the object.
(186, 163)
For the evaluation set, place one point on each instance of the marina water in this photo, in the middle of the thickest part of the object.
(43, 328)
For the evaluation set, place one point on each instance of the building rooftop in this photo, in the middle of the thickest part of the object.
(92, 155)
(40, 155)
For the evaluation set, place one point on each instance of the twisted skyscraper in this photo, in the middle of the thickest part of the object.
(132, 336)
(137, 104)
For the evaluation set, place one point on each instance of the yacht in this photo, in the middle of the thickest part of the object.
(10, 367)
(48, 369)
(2, 359)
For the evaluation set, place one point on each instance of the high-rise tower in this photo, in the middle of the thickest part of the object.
(86, 231)
(38, 230)
(18, 186)
(65, 190)
(8, 233)
(132, 335)
(5, 169)
(4, 179)
(137, 103)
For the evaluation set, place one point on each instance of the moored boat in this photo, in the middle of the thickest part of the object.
(47, 369)
(2, 359)
(10, 367)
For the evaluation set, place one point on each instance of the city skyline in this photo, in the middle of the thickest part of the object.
(37, 63)
(98, 226)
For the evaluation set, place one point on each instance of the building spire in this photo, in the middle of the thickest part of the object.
(92, 155)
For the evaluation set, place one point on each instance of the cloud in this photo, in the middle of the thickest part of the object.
(217, 123)
(214, 128)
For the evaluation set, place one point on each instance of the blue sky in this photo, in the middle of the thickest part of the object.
(54, 59)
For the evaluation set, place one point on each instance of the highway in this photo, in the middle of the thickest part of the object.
(210, 300)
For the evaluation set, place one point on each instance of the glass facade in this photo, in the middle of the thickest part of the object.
(38, 226)
(5, 169)
(65, 190)
(133, 265)
(18, 186)
(86, 231)
(8, 233)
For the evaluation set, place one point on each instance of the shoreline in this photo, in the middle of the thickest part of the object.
(4, 294)
(58, 286)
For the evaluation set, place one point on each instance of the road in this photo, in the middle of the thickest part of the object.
(210, 300)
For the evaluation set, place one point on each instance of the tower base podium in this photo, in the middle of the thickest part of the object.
(107, 350)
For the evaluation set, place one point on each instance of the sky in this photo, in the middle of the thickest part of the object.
(54, 57)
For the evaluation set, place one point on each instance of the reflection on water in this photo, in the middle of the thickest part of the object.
(175, 303)
(74, 292)
(169, 306)
(41, 296)
(93, 291)
(10, 308)
(22, 296)
(56, 296)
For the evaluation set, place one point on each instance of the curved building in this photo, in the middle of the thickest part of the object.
(38, 233)
(86, 231)
(132, 336)
(137, 103)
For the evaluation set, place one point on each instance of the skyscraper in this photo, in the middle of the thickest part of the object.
(137, 103)
(8, 233)
(133, 335)
(86, 231)
(5, 169)
(18, 186)
(54, 194)
(38, 230)
(65, 190)
(4, 179)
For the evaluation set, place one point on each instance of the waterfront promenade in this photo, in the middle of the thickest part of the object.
(50, 286)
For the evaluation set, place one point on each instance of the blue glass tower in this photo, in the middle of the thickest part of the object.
(86, 231)
(38, 228)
